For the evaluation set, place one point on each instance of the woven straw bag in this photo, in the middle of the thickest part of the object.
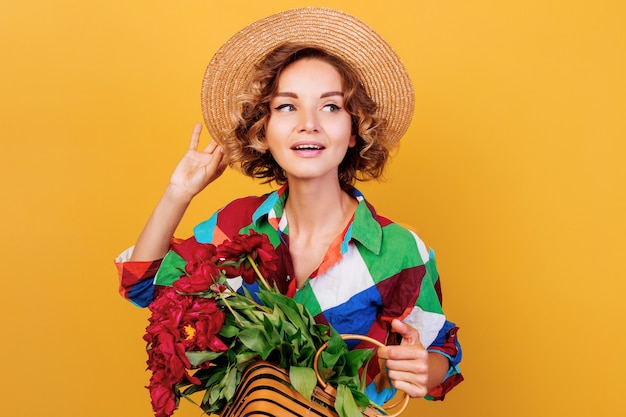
(265, 390)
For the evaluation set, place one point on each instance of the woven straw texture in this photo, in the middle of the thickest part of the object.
(377, 64)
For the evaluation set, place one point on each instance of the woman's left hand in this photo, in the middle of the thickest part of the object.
(407, 363)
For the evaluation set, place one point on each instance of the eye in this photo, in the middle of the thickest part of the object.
(285, 107)
(331, 108)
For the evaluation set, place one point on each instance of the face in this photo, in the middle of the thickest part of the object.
(309, 131)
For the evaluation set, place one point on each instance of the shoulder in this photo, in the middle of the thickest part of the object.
(243, 205)
(385, 238)
(230, 219)
(402, 240)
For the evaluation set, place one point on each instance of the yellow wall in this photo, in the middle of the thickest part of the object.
(513, 170)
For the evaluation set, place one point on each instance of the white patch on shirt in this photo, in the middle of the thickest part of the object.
(235, 283)
(421, 247)
(342, 281)
(427, 324)
(125, 256)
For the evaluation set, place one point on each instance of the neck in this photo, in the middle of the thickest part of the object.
(314, 208)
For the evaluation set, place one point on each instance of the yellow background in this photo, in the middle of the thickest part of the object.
(513, 170)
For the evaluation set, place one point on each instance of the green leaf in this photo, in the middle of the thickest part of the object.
(271, 332)
(266, 298)
(255, 316)
(345, 404)
(253, 338)
(303, 380)
(276, 319)
(336, 344)
(265, 353)
(229, 331)
(288, 306)
(243, 359)
(361, 399)
(330, 359)
(216, 376)
(267, 325)
(231, 383)
(356, 358)
(198, 357)
(319, 333)
(292, 332)
(172, 267)
(215, 393)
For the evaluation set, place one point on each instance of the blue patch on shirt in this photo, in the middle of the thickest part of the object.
(142, 293)
(204, 231)
(355, 315)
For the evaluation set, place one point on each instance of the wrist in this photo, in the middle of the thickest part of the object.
(177, 196)
(438, 366)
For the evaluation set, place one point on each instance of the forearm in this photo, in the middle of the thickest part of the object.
(437, 369)
(154, 240)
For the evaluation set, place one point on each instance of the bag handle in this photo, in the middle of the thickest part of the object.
(402, 404)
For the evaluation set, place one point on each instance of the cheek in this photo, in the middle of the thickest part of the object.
(344, 130)
(273, 129)
(271, 139)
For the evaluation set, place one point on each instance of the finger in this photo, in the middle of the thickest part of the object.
(217, 164)
(211, 147)
(410, 335)
(223, 163)
(195, 137)
(413, 376)
(413, 390)
(405, 357)
(402, 354)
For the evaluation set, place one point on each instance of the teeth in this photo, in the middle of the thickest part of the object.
(314, 147)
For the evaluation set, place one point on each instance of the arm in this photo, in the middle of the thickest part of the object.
(194, 172)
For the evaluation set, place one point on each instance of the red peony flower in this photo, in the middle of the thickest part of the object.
(200, 270)
(179, 323)
(186, 317)
(202, 320)
(193, 251)
(163, 399)
(201, 277)
(233, 256)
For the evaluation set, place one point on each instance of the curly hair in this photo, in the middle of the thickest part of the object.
(245, 146)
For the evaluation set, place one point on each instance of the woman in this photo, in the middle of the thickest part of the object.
(304, 113)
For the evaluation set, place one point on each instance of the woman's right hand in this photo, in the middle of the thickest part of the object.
(194, 172)
(197, 169)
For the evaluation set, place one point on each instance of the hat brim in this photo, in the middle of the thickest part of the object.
(378, 66)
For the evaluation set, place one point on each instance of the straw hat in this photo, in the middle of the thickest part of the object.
(378, 66)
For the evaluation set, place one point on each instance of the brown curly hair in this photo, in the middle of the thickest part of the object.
(245, 147)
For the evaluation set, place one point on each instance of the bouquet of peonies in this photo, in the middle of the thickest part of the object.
(202, 334)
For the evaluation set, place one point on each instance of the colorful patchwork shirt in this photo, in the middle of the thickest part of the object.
(375, 271)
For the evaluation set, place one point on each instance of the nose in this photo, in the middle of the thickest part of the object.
(308, 121)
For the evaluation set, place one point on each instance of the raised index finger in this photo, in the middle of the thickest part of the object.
(195, 137)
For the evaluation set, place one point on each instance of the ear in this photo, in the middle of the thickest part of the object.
(352, 142)
(262, 141)
(263, 148)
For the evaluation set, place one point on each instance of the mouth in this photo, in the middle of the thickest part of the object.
(307, 147)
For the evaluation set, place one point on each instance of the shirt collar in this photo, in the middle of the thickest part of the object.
(364, 227)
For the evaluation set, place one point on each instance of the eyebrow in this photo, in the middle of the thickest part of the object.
(294, 95)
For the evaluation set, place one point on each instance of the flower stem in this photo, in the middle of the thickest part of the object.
(231, 310)
(258, 273)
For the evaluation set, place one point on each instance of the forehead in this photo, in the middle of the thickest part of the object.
(314, 72)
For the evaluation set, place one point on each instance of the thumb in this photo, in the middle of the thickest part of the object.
(410, 335)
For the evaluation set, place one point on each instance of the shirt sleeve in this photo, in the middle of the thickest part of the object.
(136, 278)
(447, 345)
(437, 333)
